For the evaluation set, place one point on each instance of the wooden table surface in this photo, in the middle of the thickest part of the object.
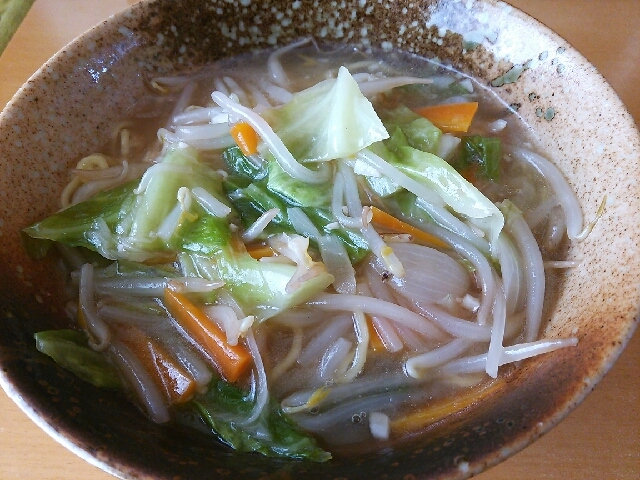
(599, 440)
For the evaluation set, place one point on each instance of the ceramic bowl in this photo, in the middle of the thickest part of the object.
(66, 109)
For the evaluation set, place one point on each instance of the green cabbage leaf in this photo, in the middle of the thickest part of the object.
(223, 409)
(330, 120)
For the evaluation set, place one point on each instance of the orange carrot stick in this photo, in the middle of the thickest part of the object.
(245, 137)
(441, 409)
(450, 117)
(171, 377)
(387, 220)
(231, 361)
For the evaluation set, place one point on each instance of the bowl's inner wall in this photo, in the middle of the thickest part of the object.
(67, 111)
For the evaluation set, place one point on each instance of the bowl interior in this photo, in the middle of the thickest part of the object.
(68, 107)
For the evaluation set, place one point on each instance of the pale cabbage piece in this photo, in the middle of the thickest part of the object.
(330, 120)
(462, 196)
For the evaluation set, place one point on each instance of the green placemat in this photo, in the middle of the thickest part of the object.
(11, 14)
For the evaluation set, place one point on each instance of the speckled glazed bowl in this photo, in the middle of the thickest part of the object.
(67, 108)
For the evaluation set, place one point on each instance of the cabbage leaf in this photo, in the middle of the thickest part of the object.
(70, 350)
(330, 120)
(432, 171)
(223, 409)
(260, 288)
(480, 153)
(122, 223)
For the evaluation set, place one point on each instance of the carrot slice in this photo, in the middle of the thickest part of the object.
(390, 222)
(231, 361)
(446, 407)
(260, 250)
(171, 377)
(451, 117)
(245, 137)
(375, 341)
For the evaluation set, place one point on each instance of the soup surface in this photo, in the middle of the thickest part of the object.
(309, 248)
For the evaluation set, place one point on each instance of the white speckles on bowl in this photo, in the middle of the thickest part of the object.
(66, 110)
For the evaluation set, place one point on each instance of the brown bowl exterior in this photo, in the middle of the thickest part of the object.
(67, 108)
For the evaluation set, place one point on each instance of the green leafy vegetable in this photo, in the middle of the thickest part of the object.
(357, 247)
(409, 128)
(422, 134)
(179, 168)
(69, 349)
(482, 153)
(458, 193)
(260, 288)
(224, 407)
(123, 223)
(206, 235)
(296, 192)
(435, 173)
(36, 248)
(240, 166)
(430, 93)
(75, 226)
(330, 120)
(382, 186)
(404, 205)
(255, 199)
